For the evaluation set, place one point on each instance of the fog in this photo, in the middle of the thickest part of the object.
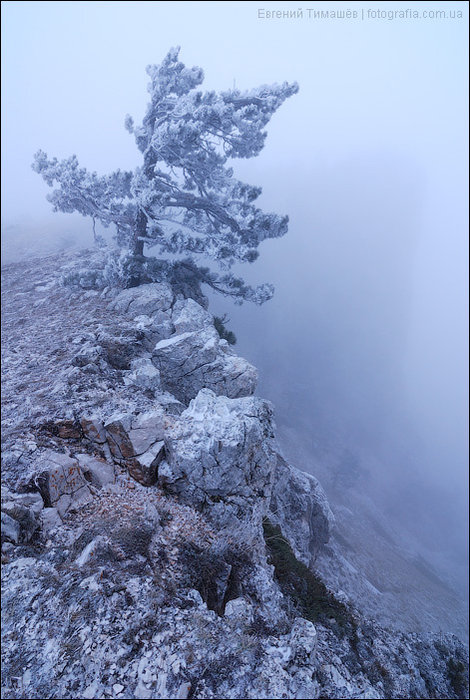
(366, 339)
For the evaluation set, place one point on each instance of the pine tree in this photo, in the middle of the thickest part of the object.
(184, 199)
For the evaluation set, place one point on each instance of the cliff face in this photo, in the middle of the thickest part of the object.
(156, 544)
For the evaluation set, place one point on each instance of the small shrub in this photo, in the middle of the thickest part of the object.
(458, 677)
(308, 593)
(217, 573)
(223, 332)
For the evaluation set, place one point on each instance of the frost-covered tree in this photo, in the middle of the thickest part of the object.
(184, 198)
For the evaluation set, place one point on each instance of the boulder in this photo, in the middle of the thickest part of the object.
(144, 374)
(146, 299)
(188, 315)
(218, 459)
(137, 442)
(93, 429)
(97, 471)
(300, 507)
(199, 359)
(61, 482)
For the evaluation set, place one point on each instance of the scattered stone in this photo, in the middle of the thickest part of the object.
(65, 429)
(93, 430)
(50, 519)
(97, 471)
(61, 482)
(89, 354)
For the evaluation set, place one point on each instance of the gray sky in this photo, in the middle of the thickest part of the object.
(369, 161)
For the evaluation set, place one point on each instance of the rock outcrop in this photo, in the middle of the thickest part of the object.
(219, 460)
(300, 508)
(199, 359)
(155, 543)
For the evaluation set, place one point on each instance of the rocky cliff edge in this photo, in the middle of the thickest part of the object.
(155, 543)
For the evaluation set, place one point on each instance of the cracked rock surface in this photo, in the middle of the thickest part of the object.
(155, 543)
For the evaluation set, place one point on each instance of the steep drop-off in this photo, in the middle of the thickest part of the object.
(155, 542)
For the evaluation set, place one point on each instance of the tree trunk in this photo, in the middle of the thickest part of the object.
(140, 231)
(138, 249)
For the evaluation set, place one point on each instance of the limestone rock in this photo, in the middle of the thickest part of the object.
(89, 353)
(144, 374)
(117, 428)
(147, 428)
(61, 482)
(97, 471)
(300, 508)
(303, 641)
(93, 429)
(24, 516)
(240, 610)
(10, 529)
(32, 501)
(217, 458)
(144, 467)
(137, 442)
(188, 315)
(50, 519)
(199, 359)
(147, 299)
(98, 547)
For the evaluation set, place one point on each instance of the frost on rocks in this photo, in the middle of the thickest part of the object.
(137, 442)
(199, 359)
(147, 300)
(61, 481)
(144, 374)
(96, 470)
(299, 506)
(10, 529)
(20, 515)
(218, 459)
(188, 315)
(133, 557)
